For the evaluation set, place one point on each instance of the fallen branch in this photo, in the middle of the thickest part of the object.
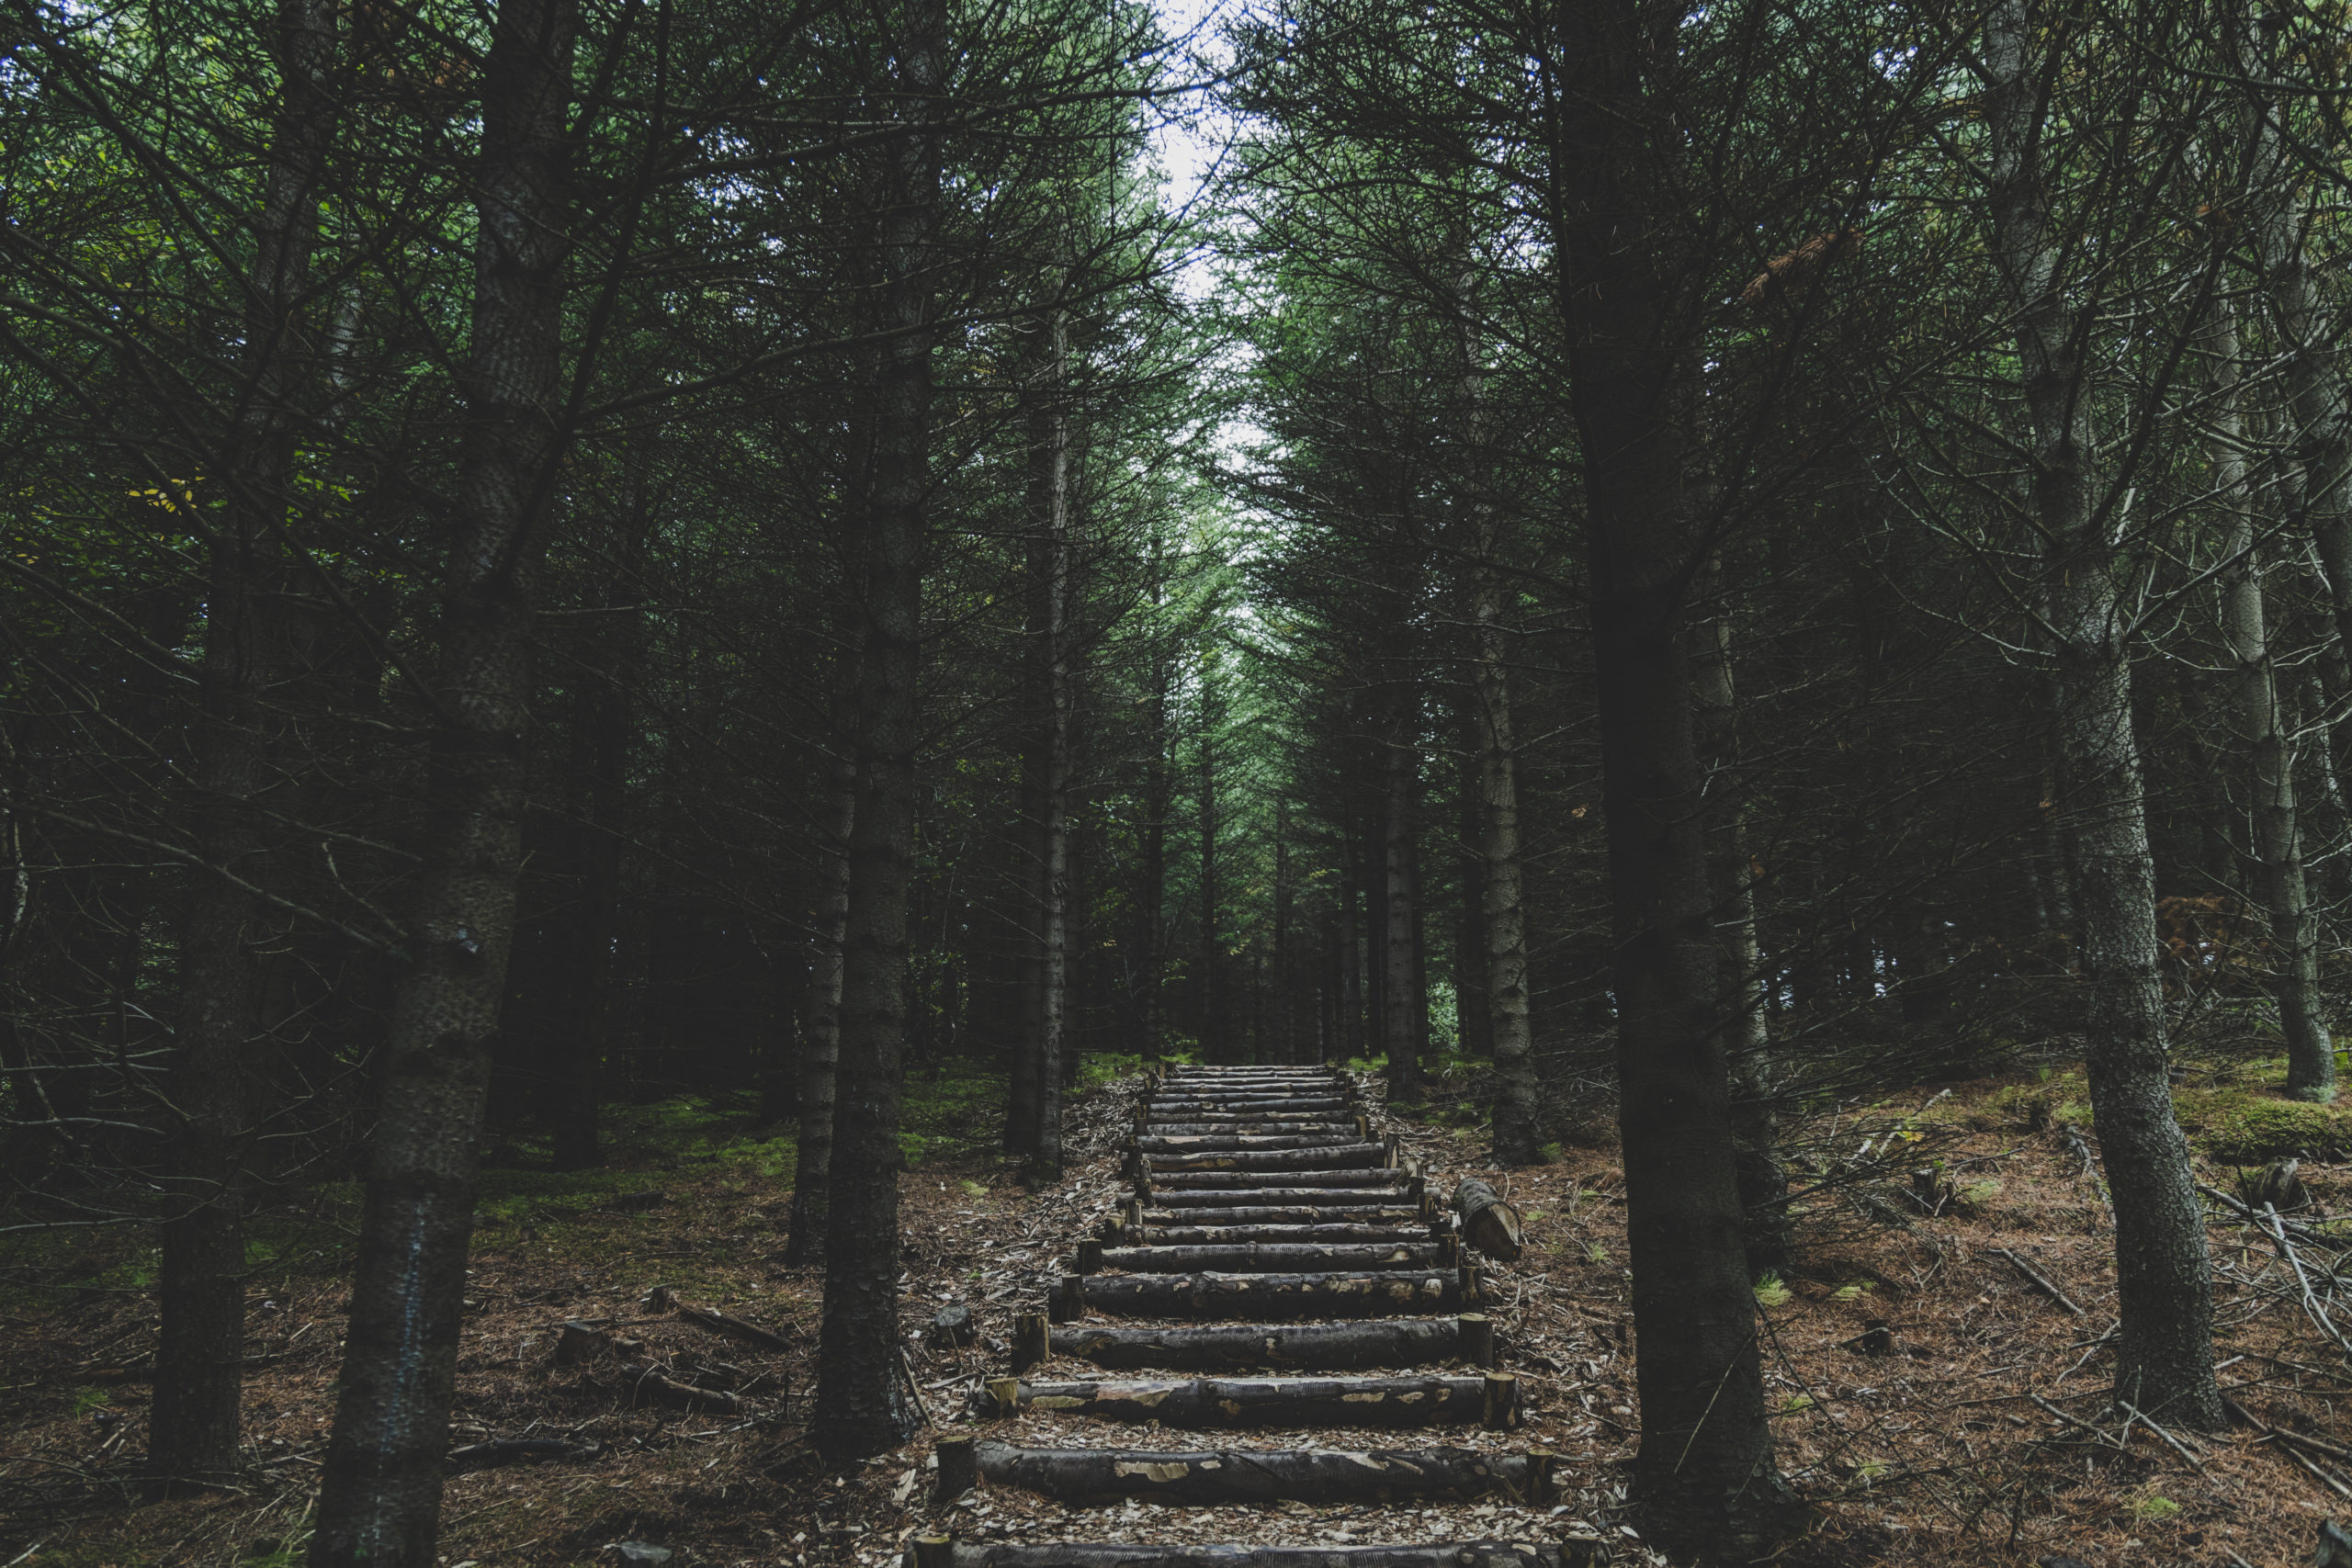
(1237, 1475)
(513, 1451)
(733, 1327)
(2041, 1281)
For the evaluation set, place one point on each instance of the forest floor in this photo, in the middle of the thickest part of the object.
(1977, 1434)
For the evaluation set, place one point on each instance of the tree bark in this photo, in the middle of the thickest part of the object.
(1492, 1226)
(1405, 1012)
(820, 1051)
(2268, 737)
(1502, 918)
(1319, 1347)
(1049, 571)
(1705, 1473)
(859, 1408)
(2164, 1275)
(194, 1420)
(380, 1498)
(1251, 1475)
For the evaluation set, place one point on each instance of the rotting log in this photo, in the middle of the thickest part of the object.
(1164, 1183)
(1256, 1295)
(1332, 1157)
(1252, 1476)
(1271, 1258)
(733, 1327)
(1401, 1229)
(1500, 1411)
(1318, 1209)
(518, 1451)
(1579, 1552)
(1492, 1226)
(1262, 1109)
(1345, 1128)
(577, 1342)
(1254, 1200)
(1318, 1346)
(956, 1472)
(1267, 1402)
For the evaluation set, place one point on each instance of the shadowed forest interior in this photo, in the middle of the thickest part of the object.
(1691, 654)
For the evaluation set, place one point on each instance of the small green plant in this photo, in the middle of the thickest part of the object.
(1548, 1153)
(2042, 1073)
(88, 1399)
(1594, 1254)
(1771, 1292)
(1853, 1292)
(1796, 1404)
(1976, 1194)
(1870, 1470)
(973, 1189)
(2151, 1508)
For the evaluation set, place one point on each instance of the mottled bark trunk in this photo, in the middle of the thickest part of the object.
(1153, 897)
(380, 1500)
(1049, 567)
(1404, 1011)
(2164, 1276)
(1518, 1129)
(859, 1408)
(1350, 1022)
(1213, 1044)
(1285, 1043)
(215, 1075)
(2267, 736)
(1705, 1473)
(820, 1046)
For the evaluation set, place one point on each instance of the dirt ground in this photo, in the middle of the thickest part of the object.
(1976, 1432)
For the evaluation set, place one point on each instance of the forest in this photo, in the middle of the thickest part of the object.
(1498, 629)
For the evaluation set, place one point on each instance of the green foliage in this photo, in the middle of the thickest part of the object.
(1771, 1292)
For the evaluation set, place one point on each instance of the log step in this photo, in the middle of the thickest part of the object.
(1268, 1105)
(1274, 1258)
(1320, 1157)
(1577, 1552)
(1160, 1142)
(1161, 1199)
(1491, 1399)
(1179, 1180)
(1334, 1213)
(1253, 1475)
(1312, 1347)
(1345, 1131)
(1402, 1229)
(1257, 1295)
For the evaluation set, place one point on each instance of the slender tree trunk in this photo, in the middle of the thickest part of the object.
(859, 1408)
(380, 1501)
(1705, 1472)
(820, 1049)
(1518, 1127)
(1154, 895)
(192, 1436)
(1350, 1036)
(1213, 1042)
(2164, 1275)
(2269, 748)
(1049, 504)
(1405, 1012)
(1284, 1046)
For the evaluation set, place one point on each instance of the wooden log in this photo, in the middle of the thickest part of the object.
(1004, 1396)
(1473, 1283)
(1251, 1475)
(1214, 1235)
(1163, 1143)
(932, 1548)
(577, 1343)
(1261, 1295)
(517, 1450)
(957, 1475)
(1267, 1402)
(1500, 1411)
(1317, 1347)
(1164, 1182)
(1266, 1258)
(651, 1385)
(1492, 1226)
(1259, 1107)
(1449, 1554)
(1478, 1338)
(1328, 1157)
(1335, 1211)
(1090, 1256)
(1161, 1198)
(1336, 1128)
(1543, 1478)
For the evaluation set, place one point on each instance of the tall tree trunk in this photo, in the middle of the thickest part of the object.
(193, 1426)
(1213, 1043)
(1285, 1044)
(1049, 569)
(1350, 1033)
(860, 1409)
(821, 1048)
(1705, 1472)
(1502, 916)
(2164, 1358)
(2266, 735)
(380, 1500)
(1153, 897)
(1405, 1010)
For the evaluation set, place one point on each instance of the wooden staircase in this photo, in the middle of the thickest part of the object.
(1302, 1271)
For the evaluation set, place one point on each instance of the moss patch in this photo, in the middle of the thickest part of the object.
(2245, 1129)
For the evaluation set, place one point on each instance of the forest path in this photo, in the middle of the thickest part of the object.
(1272, 1235)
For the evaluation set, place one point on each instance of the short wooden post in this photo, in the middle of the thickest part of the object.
(1032, 1340)
(1469, 1283)
(1477, 1339)
(1004, 1396)
(1449, 1250)
(1500, 1411)
(958, 1469)
(1090, 1256)
(935, 1551)
(1583, 1552)
(1542, 1486)
(1069, 1299)
(1364, 1127)
(1134, 1216)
